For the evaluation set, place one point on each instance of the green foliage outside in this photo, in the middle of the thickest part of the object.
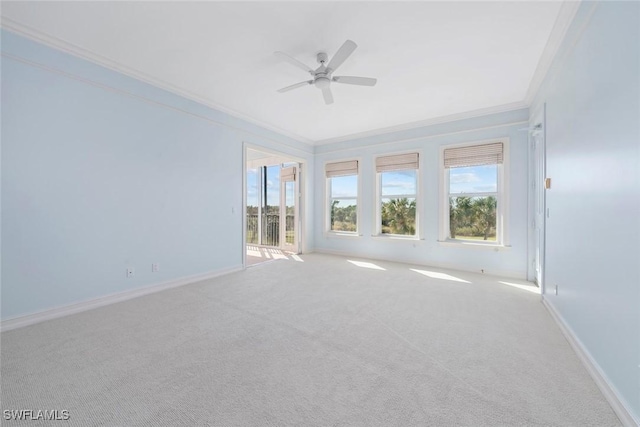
(472, 218)
(343, 218)
(252, 229)
(399, 217)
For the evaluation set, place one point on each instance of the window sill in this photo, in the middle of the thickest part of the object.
(496, 247)
(396, 237)
(341, 234)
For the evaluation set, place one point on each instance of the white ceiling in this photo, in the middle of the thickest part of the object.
(431, 59)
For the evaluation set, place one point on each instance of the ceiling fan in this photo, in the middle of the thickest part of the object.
(323, 75)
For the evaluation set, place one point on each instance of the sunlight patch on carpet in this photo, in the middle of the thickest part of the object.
(442, 276)
(363, 264)
(528, 288)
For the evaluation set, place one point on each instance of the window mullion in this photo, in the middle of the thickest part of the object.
(473, 195)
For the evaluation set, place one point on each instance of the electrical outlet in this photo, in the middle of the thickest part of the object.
(155, 267)
(130, 272)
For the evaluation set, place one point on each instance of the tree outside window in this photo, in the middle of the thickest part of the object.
(398, 192)
(473, 202)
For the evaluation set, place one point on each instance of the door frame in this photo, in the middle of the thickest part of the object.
(537, 139)
(300, 180)
(295, 248)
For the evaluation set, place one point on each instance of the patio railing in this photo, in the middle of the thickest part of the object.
(270, 229)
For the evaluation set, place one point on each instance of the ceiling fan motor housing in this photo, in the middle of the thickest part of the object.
(322, 82)
(322, 57)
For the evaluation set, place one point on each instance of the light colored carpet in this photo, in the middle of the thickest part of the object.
(323, 342)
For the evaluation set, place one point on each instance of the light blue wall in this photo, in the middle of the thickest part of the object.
(95, 179)
(428, 141)
(592, 94)
(101, 172)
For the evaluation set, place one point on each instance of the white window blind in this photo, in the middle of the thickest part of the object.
(349, 167)
(475, 155)
(288, 174)
(397, 162)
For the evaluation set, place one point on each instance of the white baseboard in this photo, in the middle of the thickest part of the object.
(390, 257)
(66, 310)
(610, 393)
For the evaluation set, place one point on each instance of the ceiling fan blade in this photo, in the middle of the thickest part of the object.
(295, 86)
(328, 96)
(342, 54)
(351, 80)
(293, 61)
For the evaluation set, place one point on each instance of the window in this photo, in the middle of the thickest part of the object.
(397, 194)
(474, 188)
(342, 190)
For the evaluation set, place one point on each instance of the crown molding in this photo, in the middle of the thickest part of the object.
(427, 122)
(567, 13)
(565, 17)
(82, 53)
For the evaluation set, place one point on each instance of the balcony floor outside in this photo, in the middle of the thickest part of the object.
(257, 254)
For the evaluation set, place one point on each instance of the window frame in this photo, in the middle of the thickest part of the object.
(501, 194)
(377, 226)
(328, 199)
